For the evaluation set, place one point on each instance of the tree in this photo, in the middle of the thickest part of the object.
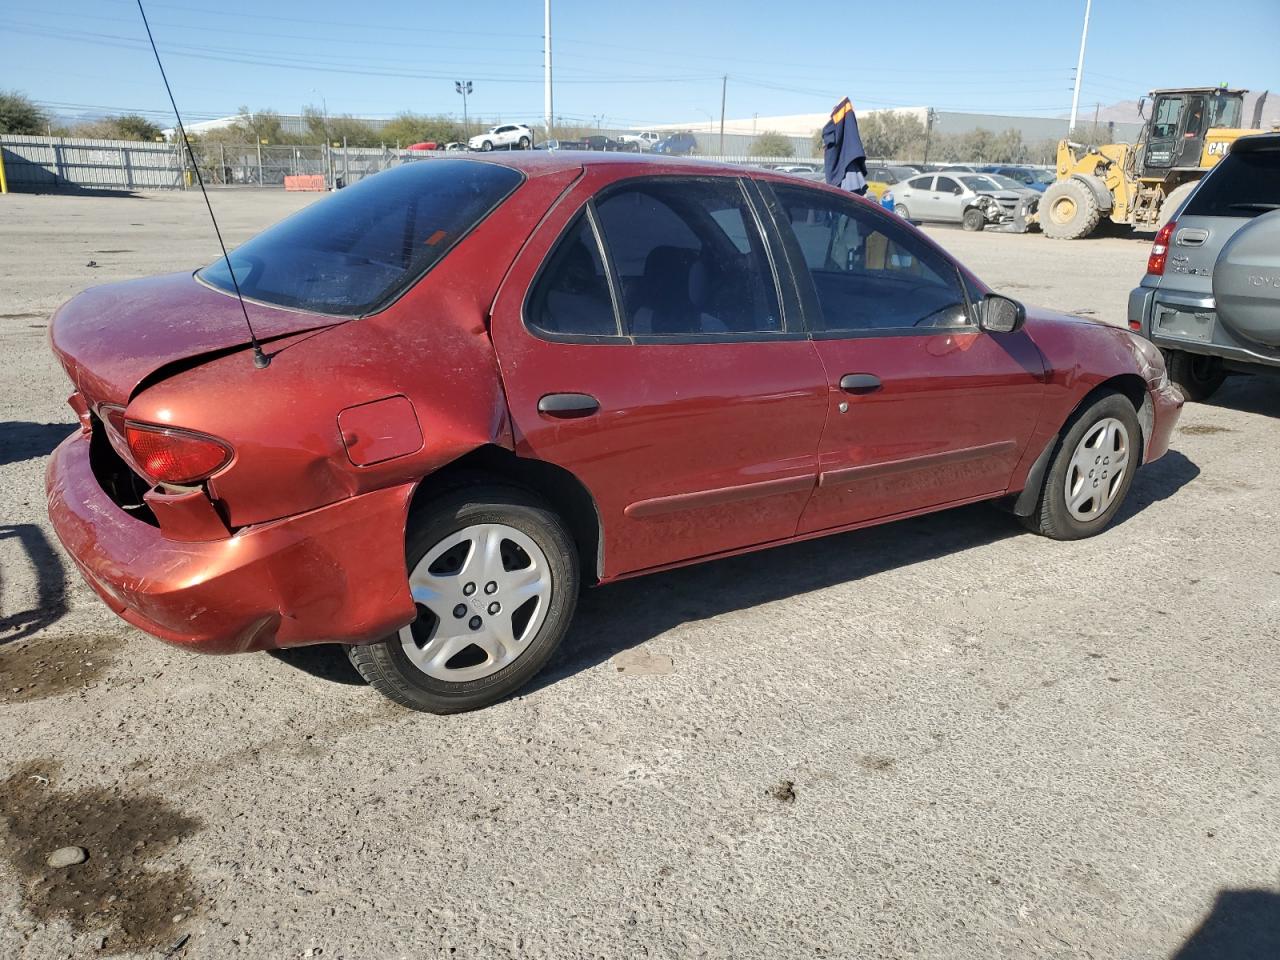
(20, 115)
(772, 144)
(892, 135)
(407, 128)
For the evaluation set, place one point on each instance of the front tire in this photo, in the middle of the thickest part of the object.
(486, 146)
(1091, 471)
(973, 220)
(494, 575)
(1068, 210)
(1197, 376)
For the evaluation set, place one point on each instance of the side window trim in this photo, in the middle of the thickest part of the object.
(610, 274)
(801, 281)
(584, 213)
(775, 274)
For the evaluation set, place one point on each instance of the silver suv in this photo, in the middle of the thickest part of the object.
(1211, 296)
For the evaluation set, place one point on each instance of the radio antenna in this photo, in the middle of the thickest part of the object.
(260, 359)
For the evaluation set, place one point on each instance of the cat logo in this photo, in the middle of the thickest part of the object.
(1219, 148)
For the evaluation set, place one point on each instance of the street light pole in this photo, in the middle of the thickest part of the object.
(547, 102)
(1075, 97)
(724, 89)
(464, 87)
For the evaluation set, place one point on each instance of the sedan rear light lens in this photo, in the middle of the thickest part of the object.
(1160, 249)
(166, 455)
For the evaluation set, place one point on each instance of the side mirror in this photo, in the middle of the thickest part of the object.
(997, 314)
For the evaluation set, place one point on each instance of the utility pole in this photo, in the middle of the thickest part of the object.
(464, 87)
(1075, 97)
(548, 105)
(928, 129)
(1096, 108)
(724, 87)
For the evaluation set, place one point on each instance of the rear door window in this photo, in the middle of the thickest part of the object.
(1245, 184)
(690, 259)
(356, 250)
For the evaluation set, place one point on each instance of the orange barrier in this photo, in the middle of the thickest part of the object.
(306, 181)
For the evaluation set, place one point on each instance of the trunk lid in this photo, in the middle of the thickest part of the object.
(110, 338)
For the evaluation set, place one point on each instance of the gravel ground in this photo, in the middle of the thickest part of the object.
(940, 738)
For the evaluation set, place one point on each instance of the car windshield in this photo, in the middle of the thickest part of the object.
(1044, 176)
(980, 184)
(354, 251)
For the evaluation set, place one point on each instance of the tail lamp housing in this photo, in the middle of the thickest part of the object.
(174, 456)
(1160, 249)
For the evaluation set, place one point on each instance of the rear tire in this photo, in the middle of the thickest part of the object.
(901, 210)
(524, 143)
(469, 553)
(1068, 210)
(973, 220)
(1091, 471)
(1197, 376)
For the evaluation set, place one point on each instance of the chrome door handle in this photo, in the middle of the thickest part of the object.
(860, 383)
(567, 405)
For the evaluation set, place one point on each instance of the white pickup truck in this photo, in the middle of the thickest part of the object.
(638, 141)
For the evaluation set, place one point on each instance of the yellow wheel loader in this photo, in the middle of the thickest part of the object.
(1189, 129)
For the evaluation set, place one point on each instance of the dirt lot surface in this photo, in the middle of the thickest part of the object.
(940, 738)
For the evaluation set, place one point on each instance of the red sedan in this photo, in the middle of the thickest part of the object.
(491, 381)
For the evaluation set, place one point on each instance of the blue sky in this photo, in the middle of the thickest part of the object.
(650, 61)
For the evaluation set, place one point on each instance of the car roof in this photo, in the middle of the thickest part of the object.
(537, 164)
(1256, 141)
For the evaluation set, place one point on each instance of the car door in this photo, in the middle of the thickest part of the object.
(915, 195)
(947, 200)
(924, 409)
(655, 362)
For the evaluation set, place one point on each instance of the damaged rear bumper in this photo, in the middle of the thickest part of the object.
(335, 574)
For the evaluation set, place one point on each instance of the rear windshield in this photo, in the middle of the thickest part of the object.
(1245, 184)
(356, 250)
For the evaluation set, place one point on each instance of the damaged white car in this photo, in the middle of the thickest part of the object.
(977, 201)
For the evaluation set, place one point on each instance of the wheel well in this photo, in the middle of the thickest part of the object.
(563, 491)
(1134, 389)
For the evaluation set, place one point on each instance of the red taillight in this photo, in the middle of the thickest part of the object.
(166, 455)
(1160, 249)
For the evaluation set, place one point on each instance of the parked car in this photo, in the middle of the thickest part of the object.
(798, 168)
(562, 145)
(1211, 295)
(426, 145)
(454, 145)
(1032, 177)
(976, 201)
(641, 142)
(889, 173)
(956, 167)
(469, 409)
(510, 135)
(600, 142)
(677, 145)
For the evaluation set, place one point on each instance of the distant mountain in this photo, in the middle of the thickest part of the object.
(1126, 111)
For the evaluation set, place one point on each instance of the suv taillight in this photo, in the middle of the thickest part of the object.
(1160, 249)
(167, 455)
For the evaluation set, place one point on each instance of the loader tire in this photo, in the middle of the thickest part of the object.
(1068, 211)
(1173, 201)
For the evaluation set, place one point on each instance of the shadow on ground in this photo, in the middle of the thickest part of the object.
(26, 441)
(1243, 925)
(623, 615)
(1249, 394)
(51, 579)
